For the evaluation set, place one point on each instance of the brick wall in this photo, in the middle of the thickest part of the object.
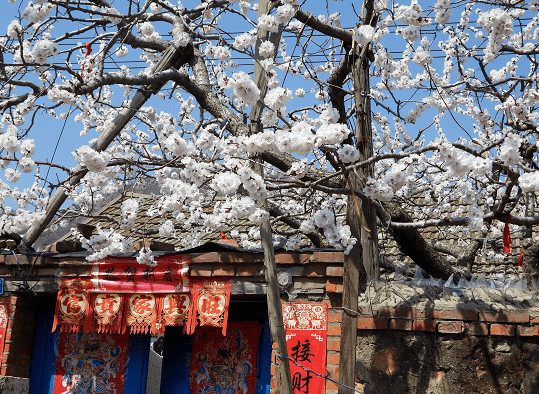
(18, 346)
(502, 342)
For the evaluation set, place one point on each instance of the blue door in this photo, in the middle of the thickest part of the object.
(46, 349)
(178, 349)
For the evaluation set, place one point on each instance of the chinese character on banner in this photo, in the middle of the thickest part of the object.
(106, 313)
(140, 313)
(4, 316)
(306, 337)
(90, 363)
(174, 311)
(124, 275)
(225, 364)
(71, 305)
(210, 305)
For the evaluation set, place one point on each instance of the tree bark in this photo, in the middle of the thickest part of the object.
(414, 245)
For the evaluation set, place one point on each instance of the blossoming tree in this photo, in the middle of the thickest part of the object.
(335, 114)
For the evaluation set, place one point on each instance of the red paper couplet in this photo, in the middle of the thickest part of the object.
(210, 301)
(125, 275)
(4, 318)
(306, 338)
(90, 363)
(225, 364)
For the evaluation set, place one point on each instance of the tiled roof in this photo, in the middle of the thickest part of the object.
(387, 245)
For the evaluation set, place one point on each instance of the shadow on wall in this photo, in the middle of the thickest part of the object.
(420, 363)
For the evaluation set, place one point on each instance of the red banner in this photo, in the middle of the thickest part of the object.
(105, 314)
(173, 311)
(140, 313)
(71, 308)
(306, 338)
(125, 275)
(4, 318)
(210, 301)
(225, 364)
(90, 363)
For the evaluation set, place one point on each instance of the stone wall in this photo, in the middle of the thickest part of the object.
(395, 361)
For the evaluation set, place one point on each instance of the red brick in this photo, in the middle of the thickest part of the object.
(212, 257)
(400, 324)
(224, 271)
(46, 272)
(332, 287)
(333, 359)
(334, 330)
(292, 258)
(454, 314)
(334, 316)
(476, 328)
(372, 323)
(70, 271)
(448, 327)
(334, 271)
(505, 317)
(248, 270)
(528, 331)
(334, 371)
(331, 385)
(239, 257)
(328, 257)
(534, 320)
(315, 270)
(424, 325)
(334, 344)
(200, 272)
(273, 383)
(273, 371)
(506, 330)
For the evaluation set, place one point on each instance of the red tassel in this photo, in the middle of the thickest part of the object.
(521, 259)
(88, 49)
(507, 236)
(223, 236)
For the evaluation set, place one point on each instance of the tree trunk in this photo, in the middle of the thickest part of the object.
(414, 245)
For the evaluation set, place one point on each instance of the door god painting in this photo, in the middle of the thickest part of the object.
(225, 364)
(90, 363)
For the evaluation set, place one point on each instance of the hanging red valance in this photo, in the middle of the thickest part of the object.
(210, 300)
(122, 294)
(4, 318)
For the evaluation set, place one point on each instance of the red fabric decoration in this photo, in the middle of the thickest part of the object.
(225, 364)
(88, 49)
(90, 363)
(72, 305)
(105, 313)
(306, 338)
(223, 236)
(507, 236)
(210, 300)
(140, 313)
(521, 259)
(4, 318)
(173, 311)
(125, 275)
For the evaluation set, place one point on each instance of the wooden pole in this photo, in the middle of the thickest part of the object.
(362, 223)
(275, 314)
(107, 136)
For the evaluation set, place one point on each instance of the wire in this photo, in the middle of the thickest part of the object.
(327, 377)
